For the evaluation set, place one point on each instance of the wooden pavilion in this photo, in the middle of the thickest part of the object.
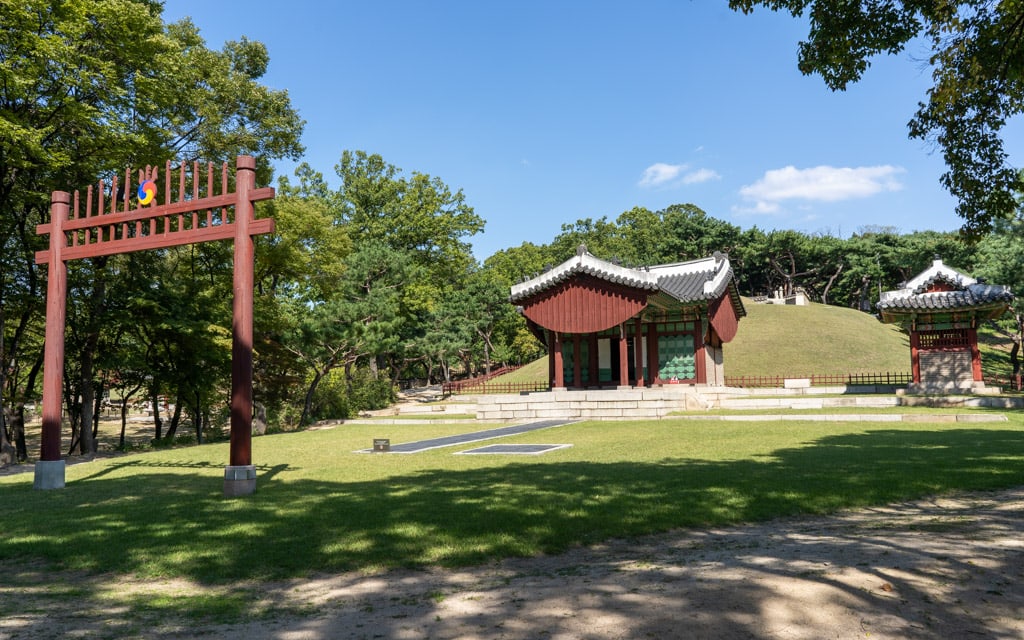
(606, 325)
(941, 309)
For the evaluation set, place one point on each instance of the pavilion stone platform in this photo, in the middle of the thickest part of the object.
(594, 404)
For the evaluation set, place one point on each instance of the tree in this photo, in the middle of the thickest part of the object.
(691, 234)
(977, 59)
(482, 306)
(1001, 261)
(601, 237)
(419, 215)
(86, 89)
(516, 264)
(361, 319)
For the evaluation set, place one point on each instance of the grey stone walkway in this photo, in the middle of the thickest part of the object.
(475, 436)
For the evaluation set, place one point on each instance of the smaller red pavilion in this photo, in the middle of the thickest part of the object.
(606, 325)
(941, 309)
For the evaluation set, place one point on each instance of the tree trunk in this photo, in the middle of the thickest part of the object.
(1015, 351)
(86, 444)
(307, 405)
(154, 402)
(18, 432)
(175, 417)
(97, 409)
(7, 452)
(124, 422)
(831, 281)
(197, 417)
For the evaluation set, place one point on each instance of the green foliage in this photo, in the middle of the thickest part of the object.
(331, 398)
(369, 392)
(977, 61)
(338, 396)
(418, 215)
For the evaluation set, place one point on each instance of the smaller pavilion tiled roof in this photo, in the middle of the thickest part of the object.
(687, 282)
(966, 293)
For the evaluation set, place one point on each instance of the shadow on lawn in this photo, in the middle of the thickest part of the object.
(458, 518)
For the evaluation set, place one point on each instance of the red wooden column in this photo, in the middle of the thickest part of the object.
(240, 474)
(559, 373)
(915, 355)
(623, 357)
(652, 354)
(551, 358)
(638, 352)
(49, 471)
(700, 359)
(594, 365)
(972, 337)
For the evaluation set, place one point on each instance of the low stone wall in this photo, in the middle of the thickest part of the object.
(809, 402)
(585, 404)
(658, 402)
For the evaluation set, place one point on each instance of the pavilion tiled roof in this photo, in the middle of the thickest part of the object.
(975, 295)
(584, 263)
(967, 293)
(687, 282)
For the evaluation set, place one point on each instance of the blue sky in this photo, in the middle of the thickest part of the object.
(544, 113)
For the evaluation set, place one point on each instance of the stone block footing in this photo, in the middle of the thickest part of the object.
(239, 480)
(49, 474)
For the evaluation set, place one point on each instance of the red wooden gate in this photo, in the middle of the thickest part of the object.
(190, 210)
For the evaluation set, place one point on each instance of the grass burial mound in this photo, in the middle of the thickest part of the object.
(787, 340)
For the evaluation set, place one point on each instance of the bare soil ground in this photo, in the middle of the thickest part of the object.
(949, 567)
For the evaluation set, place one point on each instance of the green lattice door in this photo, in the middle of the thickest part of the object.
(676, 358)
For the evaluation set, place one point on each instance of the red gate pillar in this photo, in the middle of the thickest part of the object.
(49, 471)
(240, 474)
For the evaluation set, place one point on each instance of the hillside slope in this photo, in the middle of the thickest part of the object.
(779, 340)
(814, 339)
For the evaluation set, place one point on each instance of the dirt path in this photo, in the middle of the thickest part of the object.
(943, 568)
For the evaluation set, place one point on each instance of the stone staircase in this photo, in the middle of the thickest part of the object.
(592, 404)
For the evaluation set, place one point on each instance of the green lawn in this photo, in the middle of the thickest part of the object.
(321, 507)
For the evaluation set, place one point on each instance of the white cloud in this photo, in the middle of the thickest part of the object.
(660, 174)
(819, 184)
(759, 208)
(701, 175)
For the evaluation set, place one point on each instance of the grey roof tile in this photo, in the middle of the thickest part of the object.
(975, 295)
(692, 281)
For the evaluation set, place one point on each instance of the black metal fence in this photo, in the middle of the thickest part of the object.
(884, 378)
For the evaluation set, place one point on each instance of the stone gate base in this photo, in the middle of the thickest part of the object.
(49, 474)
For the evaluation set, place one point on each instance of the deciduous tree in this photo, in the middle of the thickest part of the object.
(977, 61)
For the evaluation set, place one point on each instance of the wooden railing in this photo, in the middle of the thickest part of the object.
(486, 384)
(885, 378)
(467, 387)
(1007, 383)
